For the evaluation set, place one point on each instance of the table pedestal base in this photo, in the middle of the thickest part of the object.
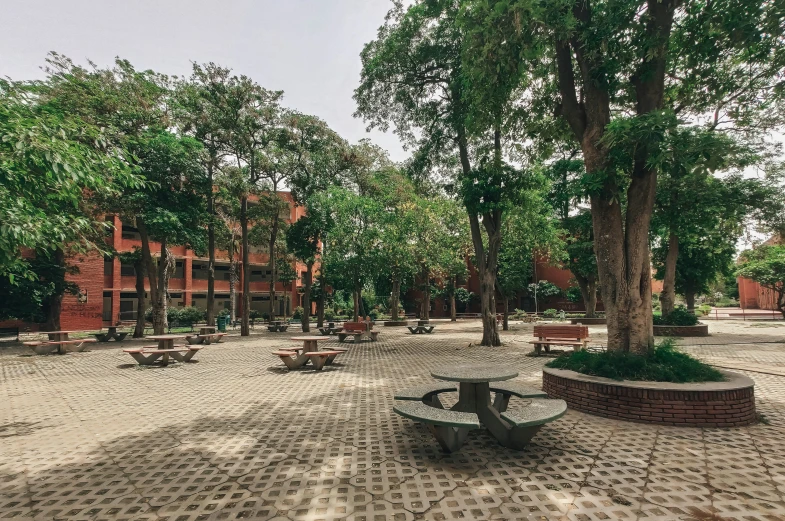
(476, 398)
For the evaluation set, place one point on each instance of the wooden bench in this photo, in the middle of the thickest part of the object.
(549, 335)
(450, 428)
(358, 335)
(525, 424)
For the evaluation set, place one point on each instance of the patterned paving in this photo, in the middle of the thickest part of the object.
(93, 437)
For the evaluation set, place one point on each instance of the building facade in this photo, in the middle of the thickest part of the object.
(107, 286)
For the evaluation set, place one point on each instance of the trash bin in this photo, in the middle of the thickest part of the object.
(221, 323)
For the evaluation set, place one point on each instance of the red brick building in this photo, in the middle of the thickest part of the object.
(107, 287)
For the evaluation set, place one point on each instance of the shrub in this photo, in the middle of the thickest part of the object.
(254, 314)
(664, 364)
(329, 314)
(550, 313)
(519, 314)
(223, 313)
(374, 314)
(190, 315)
(298, 312)
(678, 317)
(574, 294)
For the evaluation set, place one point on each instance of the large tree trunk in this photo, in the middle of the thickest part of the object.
(486, 261)
(53, 304)
(273, 274)
(506, 325)
(245, 329)
(141, 305)
(161, 277)
(689, 296)
(210, 248)
(320, 301)
(306, 318)
(232, 282)
(588, 286)
(621, 243)
(453, 317)
(395, 297)
(356, 296)
(426, 294)
(151, 270)
(668, 295)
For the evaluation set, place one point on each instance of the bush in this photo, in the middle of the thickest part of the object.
(190, 315)
(663, 364)
(550, 313)
(329, 314)
(298, 312)
(223, 313)
(254, 314)
(519, 314)
(678, 317)
(374, 314)
(574, 294)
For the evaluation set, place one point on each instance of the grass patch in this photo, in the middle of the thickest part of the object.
(664, 364)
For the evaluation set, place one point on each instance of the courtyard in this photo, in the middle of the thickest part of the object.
(92, 436)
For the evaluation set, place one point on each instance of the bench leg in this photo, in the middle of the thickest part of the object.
(103, 338)
(341, 337)
(120, 336)
(538, 349)
(521, 436)
(451, 439)
(145, 360)
(501, 401)
(318, 362)
(294, 362)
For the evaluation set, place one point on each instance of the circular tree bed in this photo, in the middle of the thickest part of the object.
(730, 403)
(683, 331)
(595, 321)
(396, 323)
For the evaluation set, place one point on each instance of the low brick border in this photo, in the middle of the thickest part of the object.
(596, 321)
(697, 330)
(710, 404)
(396, 323)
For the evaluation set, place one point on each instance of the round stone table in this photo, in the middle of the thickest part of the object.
(309, 342)
(474, 395)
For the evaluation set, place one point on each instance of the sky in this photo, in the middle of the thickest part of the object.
(310, 49)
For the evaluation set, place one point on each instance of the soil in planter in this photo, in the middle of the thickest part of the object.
(664, 364)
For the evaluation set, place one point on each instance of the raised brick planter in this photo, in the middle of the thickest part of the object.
(596, 321)
(696, 330)
(396, 323)
(711, 404)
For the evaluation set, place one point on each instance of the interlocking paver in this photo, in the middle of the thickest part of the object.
(236, 437)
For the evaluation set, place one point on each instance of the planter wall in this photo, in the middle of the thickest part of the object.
(396, 323)
(588, 321)
(696, 330)
(711, 404)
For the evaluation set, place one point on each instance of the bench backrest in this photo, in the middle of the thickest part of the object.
(550, 331)
(355, 326)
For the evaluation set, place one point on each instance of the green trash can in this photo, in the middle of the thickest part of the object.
(221, 323)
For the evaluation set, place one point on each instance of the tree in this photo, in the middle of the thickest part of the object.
(352, 242)
(250, 118)
(170, 211)
(452, 247)
(581, 260)
(303, 241)
(623, 72)
(454, 114)
(766, 266)
(529, 231)
(140, 272)
(197, 111)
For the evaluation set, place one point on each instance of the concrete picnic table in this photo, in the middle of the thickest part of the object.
(166, 341)
(60, 340)
(111, 333)
(206, 330)
(475, 408)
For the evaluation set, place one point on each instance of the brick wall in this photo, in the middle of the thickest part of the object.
(78, 315)
(688, 408)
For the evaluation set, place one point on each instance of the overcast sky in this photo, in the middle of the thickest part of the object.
(307, 48)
